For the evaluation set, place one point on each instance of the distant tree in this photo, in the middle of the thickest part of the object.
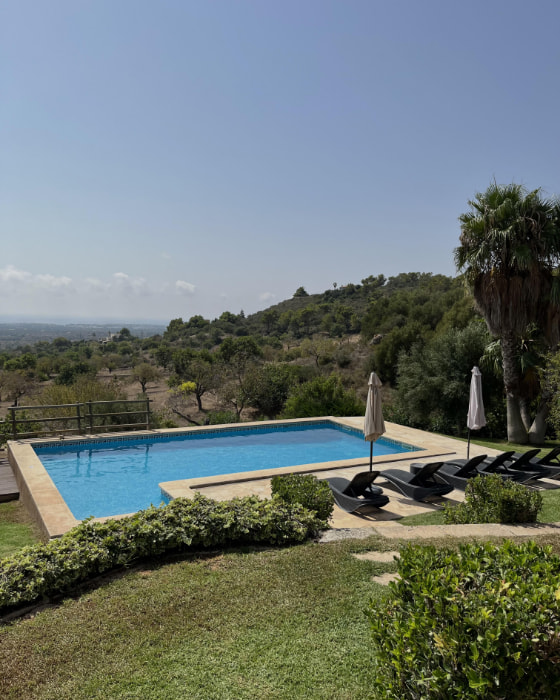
(300, 292)
(320, 349)
(200, 368)
(69, 372)
(267, 388)
(125, 334)
(145, 373)
(269, 318)
(61, 343)
(14, 385)
(238, 353)
(237, 356)
(307, 316)
(163, 355)
(228, 317)
(174, 330)
(204, 373)
(386, 352)
(197, 321)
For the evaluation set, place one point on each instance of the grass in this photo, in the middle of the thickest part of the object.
(505, 446)
(16, 528)
(277, 623)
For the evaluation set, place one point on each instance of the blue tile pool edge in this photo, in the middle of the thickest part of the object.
(43, 446)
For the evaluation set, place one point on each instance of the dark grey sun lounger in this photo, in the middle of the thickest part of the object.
(549, 461)
(524, 464)
(468, 466)
(458, 474)
(362, 485)
(418, 485)
(344, 495)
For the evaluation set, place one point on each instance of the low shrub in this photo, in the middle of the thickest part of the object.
(306, 490)
(93, 548)
(480, 622)
(222, 417)
(491, 499)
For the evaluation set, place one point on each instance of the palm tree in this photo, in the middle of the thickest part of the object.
(510, 255)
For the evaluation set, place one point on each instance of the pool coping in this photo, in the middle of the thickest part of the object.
(53, 516)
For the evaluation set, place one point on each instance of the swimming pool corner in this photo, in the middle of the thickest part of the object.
(37, 491)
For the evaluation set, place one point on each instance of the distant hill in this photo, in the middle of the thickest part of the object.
(13, 335)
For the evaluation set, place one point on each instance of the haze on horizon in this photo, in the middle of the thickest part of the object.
(184, 157)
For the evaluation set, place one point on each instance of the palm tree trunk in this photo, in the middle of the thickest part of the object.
(537, 431)
(516, 431)
(525, 409)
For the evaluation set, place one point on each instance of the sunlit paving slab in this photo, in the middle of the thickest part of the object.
(385, 579)
(379, 557)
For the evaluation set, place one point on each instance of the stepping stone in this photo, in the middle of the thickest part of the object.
(381, 557)
(385, 579)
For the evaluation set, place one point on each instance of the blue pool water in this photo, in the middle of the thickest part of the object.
(103, 478)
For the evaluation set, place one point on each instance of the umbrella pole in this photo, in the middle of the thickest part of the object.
(469, 443)
(371, 455)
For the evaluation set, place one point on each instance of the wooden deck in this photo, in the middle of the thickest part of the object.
(8, 487)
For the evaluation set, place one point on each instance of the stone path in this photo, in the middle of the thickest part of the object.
(394, 531)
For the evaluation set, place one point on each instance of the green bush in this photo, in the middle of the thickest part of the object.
(491, 499)
(222, 417)
(322, 396)
(480, 622)
(305, 490)
(93, 548)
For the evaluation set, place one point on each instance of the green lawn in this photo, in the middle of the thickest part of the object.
(277, 623)
(16, 528)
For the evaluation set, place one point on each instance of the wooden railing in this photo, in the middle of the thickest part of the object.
(78, 418)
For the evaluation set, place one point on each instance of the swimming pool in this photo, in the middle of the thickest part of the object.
(114, 476)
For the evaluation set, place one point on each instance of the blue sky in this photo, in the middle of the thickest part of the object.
(171, 158)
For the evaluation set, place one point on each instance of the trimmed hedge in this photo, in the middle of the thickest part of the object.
(93, 548)
(480, 622)
(305, 489)
(491, 499)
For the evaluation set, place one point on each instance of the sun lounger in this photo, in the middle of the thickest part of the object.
(549, 461)
(418, 485)
(458, 475)
(524, 464)
(468, 466)
(344, 498)
(362, 485)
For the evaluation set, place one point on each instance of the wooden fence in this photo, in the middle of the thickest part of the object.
(78, 418)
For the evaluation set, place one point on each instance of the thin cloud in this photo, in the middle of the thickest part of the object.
(182, 287)
(267, 296)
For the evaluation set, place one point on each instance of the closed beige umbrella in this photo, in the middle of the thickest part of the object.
(374, 425)
(475, 416)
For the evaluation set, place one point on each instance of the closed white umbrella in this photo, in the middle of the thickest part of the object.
(374, 425)
(475, 417)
